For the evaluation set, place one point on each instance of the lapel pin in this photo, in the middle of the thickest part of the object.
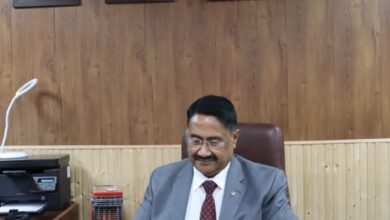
(233, 193)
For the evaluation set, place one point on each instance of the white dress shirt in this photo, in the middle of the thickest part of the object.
(198, 195)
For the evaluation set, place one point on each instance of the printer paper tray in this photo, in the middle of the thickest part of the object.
(27, 207)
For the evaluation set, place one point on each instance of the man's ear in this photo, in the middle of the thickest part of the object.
(235, 136)
(186, 135)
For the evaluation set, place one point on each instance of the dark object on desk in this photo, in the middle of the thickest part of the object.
(15, 215)
(70, 212)
(43, 179)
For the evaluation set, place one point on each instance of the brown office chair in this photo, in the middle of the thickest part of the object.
(258, 142)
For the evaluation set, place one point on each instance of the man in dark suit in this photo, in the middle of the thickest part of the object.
(213, 183)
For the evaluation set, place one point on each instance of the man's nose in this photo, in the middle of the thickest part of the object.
(204, 150)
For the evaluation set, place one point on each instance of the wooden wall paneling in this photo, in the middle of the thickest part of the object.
(32, 56)
(322, 190)
(123, 51)
(198, 49)
(138, 91)
(272, 75)
(371, 179)
(318, 68)
(329, 183)
(344, 76)
(5, 64)
(300, 191)
(111, 68)
(125, 74)
(350, 206)
(356, 182)
(295, 12)
(384, 64)
(191, 48)
(314, 211)
(68, 41)
(91, 70)
(115, 24)
(223, 44)
(327, 179)
(160, 65)
(128, 181)
(365, 43)
(339, 178)
(263, 84)
(49, 103)
(363, 181)
(382, 180)
(248, 58)
(307, 182)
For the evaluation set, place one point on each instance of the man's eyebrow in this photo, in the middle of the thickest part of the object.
(195, 136)
(207, 138)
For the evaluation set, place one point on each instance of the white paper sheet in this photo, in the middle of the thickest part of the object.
(31, 208)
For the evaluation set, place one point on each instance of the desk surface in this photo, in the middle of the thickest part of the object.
(71, 212)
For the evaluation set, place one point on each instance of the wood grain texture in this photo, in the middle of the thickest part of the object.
(6, 58)
(125, 73)
(327, 179)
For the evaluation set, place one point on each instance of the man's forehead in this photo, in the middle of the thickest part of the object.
(206, 120)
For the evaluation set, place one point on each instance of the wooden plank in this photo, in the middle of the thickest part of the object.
(307, 182)
(363, 181)
(32, 56)
(384, 65)
(349, 181)
(320, 182)
(271, 91)
(223, 24)
(160, 66)
(68, 46)
(344, 76)
(248, 57)
(371, 181)
(339, 181)
(318, 68)
(329, 182)
(297, 84)
(365, 44)
(5, 64)
(123, 51)
(300, 182)
(90, 105)
(357, 185)
(382, 181)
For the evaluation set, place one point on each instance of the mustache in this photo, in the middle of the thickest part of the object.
(211, 157)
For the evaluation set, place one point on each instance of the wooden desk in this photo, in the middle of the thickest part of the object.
(71, 212)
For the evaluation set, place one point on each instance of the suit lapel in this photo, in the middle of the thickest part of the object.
(234, 191)
(180, 192)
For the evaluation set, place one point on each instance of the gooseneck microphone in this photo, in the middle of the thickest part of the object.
(21, 91)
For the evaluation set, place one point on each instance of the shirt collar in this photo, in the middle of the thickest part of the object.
(219, 179)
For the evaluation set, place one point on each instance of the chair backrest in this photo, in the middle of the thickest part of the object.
(258, 142)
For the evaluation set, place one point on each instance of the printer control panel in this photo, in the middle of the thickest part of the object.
(46, 183)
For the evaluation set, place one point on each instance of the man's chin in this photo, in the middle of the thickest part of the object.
(207, 168)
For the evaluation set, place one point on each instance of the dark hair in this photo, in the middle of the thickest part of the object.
(217, 106)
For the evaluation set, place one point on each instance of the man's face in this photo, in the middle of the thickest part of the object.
(210, 144)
